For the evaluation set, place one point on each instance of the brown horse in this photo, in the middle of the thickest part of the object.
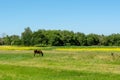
(38, 52)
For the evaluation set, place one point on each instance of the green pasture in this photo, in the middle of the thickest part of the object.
(59, 64)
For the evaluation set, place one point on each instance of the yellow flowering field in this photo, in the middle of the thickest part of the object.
(62, 48)
(89, 49)
(23, 48)
(16, 48)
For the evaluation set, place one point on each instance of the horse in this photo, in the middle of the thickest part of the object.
(38, 52)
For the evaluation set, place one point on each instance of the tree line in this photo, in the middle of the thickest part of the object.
(59, 38)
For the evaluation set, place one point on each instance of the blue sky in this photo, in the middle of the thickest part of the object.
(87, 16)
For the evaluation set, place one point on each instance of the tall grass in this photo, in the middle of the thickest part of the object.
(10, 72)
(59, 65)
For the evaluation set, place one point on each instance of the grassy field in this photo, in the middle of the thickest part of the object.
(60, 63)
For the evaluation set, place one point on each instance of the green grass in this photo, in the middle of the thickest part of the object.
(59, 65)
(33, 73)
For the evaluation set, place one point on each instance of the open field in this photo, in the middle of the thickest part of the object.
(60, 63)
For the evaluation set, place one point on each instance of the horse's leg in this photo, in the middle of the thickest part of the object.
(42, 54)
(34, 54)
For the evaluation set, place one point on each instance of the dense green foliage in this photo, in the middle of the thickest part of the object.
(60, 38)
(59, 65)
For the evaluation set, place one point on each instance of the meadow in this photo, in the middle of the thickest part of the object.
(60, 63)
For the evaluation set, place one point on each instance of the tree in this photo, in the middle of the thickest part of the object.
(103, 40)
(68, 38)
(56, 38)
(7, 40)
(15, 40)
(26, 37)
(92, 39)
(113, 40)
(39, 38)
(59, 38)
(80, 39)
(1, 41)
